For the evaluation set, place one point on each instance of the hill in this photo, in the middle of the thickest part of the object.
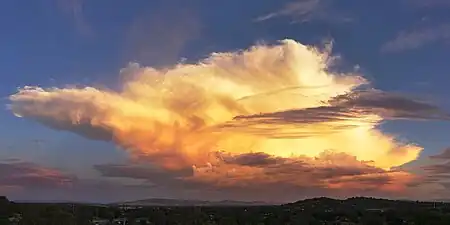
(362, 203)
(178, 202)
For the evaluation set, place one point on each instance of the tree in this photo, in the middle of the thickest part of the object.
(4, 207)
(4, 200)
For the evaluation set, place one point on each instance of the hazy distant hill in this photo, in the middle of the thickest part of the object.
(178, 202)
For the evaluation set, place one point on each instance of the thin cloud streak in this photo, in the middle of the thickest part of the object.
(158, 36)
(303, 11)
(420, 4)
(351, 106)
(414, 39)
(425, 33)
(74, 10)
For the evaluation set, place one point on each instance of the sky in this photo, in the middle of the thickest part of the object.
(271, 100)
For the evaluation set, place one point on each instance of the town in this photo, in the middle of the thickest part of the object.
(324, 211)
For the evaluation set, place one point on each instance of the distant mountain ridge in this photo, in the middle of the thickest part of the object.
(181, 202)
(368, 202)
(364, 202)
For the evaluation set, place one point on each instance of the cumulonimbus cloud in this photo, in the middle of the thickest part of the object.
(280, 101)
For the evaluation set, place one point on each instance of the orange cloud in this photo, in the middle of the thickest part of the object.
(330, 170)
(279, 100)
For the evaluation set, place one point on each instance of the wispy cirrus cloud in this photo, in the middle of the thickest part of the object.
(414, 39)
(158, 36)
(426, 31)
(74, 10)
(302, 11)
(420, 4)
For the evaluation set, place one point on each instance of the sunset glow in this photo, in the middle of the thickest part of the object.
(235, 104)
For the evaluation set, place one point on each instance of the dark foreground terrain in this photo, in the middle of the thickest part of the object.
(313, 211)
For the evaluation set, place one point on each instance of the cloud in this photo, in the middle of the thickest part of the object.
(430, 29)
(443, 168)
(329, 171)
(436, 166)
(349, 108)
(141, 172)
(419, 4)
(390, 105)
(251, 159)
(437, 175)
(437, 169)
(332, 173)
(158, 36)
(74, 10)
(302, 11)
(413, 39)
(271, 115)
(25, 175)
(69, 123)
(445, 155)
(433, 176)
(28, 181)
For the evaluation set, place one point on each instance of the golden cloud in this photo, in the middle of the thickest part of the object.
(280, 101)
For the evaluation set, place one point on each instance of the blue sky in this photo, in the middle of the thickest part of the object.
(400, 46)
